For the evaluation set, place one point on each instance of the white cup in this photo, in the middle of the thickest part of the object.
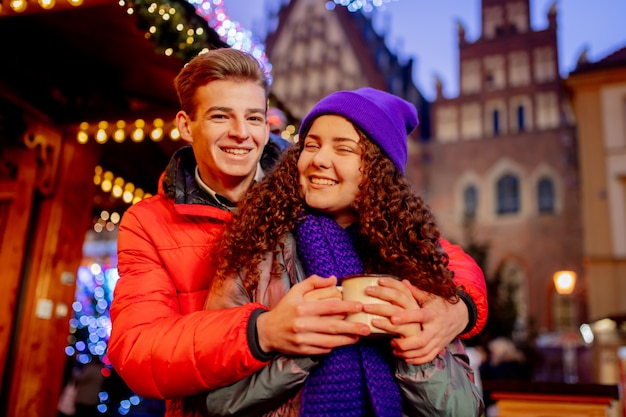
(353, 289)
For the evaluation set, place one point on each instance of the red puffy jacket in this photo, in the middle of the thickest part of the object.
(163, 344)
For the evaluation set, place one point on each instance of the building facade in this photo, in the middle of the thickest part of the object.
(318, 48)
(501, 167)
(598, 95)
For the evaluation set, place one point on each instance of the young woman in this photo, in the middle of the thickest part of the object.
(338, 204)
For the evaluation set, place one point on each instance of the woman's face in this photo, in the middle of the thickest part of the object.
(329, 168)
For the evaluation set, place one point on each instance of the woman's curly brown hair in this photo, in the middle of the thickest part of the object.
(397, 233)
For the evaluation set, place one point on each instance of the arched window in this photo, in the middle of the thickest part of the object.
(545, 195)
(496, 122)
(509, 284)
(470, 202)
(520, 118)
(507, 190)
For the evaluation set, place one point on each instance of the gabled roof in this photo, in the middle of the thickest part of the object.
(359, 32)
(614, 60)
(349, 40)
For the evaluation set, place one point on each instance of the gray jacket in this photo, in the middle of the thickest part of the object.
(442, 387)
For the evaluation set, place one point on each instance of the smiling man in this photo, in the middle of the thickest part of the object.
(161, 344)
(228, 132)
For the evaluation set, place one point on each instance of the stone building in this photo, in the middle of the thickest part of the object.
(318, 48)
(501, 167)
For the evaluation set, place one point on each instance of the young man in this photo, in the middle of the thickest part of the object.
(163, 344)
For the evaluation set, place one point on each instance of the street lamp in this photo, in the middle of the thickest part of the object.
(564, 281)
(565, 302)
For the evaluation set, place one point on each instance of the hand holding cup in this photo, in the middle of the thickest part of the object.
(353, 288)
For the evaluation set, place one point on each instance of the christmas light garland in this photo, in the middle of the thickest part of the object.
(355, 5)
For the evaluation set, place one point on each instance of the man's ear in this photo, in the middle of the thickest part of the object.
(182, 123)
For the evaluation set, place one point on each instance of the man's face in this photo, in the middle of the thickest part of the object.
(227, 133)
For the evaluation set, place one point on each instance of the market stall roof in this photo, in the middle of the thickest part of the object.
(89, 63)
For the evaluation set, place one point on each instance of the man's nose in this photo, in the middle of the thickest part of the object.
(239, 128)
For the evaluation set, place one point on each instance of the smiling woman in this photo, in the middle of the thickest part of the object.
(329, 168)
(338, 204)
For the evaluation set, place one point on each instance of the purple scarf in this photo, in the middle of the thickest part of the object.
(354, 380)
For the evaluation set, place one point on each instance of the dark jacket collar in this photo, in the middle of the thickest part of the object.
(178, 181)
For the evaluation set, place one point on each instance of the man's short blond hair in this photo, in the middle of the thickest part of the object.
(217, 64)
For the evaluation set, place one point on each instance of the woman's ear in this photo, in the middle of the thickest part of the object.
(182, 123)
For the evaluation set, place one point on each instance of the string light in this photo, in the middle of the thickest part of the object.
(119, 135)
(46, 4)
(230, 31)
(120, 130)
(90, 324)
(82, 137)
(18, 5)
(118, 188)
(356, 5)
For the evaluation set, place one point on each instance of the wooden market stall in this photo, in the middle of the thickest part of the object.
(68, 67)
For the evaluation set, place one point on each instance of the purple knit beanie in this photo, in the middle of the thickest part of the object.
(384, 118)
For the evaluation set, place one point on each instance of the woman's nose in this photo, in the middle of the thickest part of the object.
(322, 157)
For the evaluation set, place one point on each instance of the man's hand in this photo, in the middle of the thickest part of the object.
(309, 320)
(441, 323)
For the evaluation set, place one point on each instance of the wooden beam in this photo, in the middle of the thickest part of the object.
(16, 197)
(56, 249)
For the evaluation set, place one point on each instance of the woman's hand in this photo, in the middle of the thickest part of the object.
(401, 299)
(425, 324)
